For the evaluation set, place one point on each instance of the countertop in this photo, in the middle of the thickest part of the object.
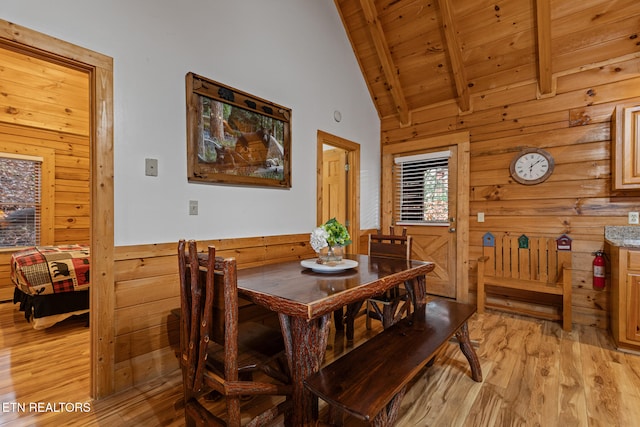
(626, 236)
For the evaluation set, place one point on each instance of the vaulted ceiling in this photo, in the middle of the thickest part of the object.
(421, 53)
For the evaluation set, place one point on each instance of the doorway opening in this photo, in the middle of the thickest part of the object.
(446, 241)
(338, 184)
(100, 70)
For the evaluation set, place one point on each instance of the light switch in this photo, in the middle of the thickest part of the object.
(151, 167)
(193, 207)
(480, 216)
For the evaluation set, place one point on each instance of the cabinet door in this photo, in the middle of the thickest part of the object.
(626, 150)
(633, 307)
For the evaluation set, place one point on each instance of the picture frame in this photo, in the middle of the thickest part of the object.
(235, 138)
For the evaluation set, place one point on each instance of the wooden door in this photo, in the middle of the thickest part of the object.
(334, 185)
(450, 254)
(437, 242)
(338, 163)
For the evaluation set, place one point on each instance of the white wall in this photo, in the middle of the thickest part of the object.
(291, 52)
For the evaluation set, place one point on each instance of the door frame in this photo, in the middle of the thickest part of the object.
(102, 296)
(461, 140)
(353, 184)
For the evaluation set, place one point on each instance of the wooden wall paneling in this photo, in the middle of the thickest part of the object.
(140, 369)
(6, 287)
(595, 74)
(43, 94)
(575, 126)
(147, 289)
(142, 290)
(519, 126)
(47, 92)
(143, 316)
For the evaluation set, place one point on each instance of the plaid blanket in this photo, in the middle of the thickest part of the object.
(46, 270)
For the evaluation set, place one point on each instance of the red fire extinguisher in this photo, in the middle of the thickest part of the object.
(598, 270)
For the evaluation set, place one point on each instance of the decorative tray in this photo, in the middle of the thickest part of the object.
(328, 268)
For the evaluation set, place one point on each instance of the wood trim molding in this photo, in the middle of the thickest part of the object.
(384, 55)
(100, 69)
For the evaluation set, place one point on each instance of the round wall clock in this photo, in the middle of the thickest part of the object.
(531, 166)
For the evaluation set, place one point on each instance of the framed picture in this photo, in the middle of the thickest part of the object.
(236, 138)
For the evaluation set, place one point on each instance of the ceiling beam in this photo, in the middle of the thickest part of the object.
(388, 67)
(455, 56)
(543, 34)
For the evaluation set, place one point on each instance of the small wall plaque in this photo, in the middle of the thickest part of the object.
(564, 243)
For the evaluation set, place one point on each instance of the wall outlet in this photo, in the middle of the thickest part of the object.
(193, 207)
(634, 218)
(151, 167)
(480, 216)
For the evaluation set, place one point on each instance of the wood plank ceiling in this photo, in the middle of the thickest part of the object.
(420, 53)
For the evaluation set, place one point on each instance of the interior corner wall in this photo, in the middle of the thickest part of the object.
(293, 55)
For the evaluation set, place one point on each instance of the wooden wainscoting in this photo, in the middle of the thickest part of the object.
(147, 289)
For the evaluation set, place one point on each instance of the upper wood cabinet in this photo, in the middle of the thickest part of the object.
(626, 147)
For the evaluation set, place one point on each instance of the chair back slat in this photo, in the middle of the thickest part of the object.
(227, 280)
(390, 245)
(210, 352)
(207, 285)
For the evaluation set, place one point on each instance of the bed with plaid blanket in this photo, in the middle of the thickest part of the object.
(51, 269)
(52, 282)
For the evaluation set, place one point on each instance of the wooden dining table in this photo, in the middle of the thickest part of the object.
(305, 299)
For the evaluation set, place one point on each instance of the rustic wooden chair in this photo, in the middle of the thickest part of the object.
(534, 270)
(218, 356)
(395, 303)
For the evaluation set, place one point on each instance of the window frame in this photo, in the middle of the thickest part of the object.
(398, 161)
(47, 186)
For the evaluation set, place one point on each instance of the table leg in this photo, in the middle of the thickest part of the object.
(417, 289)
(467, 349)
(352, 312)
(305, 346)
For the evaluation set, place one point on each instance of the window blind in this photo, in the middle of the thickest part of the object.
(20, 200)
(422, 188)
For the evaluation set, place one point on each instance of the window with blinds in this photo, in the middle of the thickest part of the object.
(422, 188)
(20, 200)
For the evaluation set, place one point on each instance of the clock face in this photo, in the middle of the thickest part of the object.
(531, 166)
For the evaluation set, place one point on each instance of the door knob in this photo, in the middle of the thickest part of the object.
(452, 229)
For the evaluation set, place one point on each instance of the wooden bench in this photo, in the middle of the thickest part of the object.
(532, 269)
(369, 382)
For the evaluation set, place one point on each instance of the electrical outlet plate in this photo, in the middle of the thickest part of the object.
(151, 167)
(480, 216)
(193, 207)
(634, 218)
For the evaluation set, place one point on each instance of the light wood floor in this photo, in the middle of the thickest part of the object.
(534, 375)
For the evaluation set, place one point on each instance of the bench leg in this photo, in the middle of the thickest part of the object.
(467, 349)
(387, 417)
